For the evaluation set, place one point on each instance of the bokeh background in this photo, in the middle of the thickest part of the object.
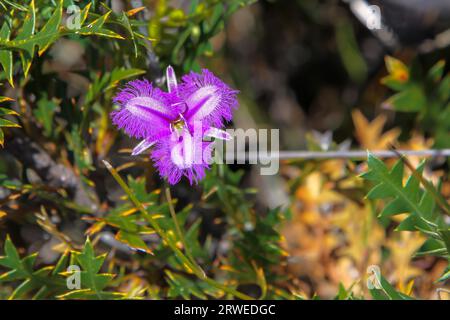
(310, 68)
(314, 70)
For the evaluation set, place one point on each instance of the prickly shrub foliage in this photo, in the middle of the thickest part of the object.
(81, 218)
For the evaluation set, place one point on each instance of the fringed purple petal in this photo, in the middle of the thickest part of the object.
(184, 155)
(208, 99)
(145, 112)
(175, 123)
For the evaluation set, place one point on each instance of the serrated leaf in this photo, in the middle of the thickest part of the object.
(445, 236)
(42, 280)
(28, 29)
(419, 204)
(413, 223)
(49, 32)
(432, 247)
(412, 99)
(405, 197)
(88, 260)
(127, 24)
(181, 286)
(28, 39)
(380, 191)
(134, 241)
(93, 283)
(96, 28)
(46, 36)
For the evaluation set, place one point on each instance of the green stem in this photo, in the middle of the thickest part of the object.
(178, 229)
(190, 266)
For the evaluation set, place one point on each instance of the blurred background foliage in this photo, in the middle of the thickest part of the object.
(308, 67)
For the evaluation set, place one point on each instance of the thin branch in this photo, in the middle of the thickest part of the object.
(178, 228)
(189, 266)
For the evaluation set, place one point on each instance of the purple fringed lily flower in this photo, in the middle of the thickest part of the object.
(177, 122)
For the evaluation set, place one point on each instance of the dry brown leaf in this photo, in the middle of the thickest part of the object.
(370, 134)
